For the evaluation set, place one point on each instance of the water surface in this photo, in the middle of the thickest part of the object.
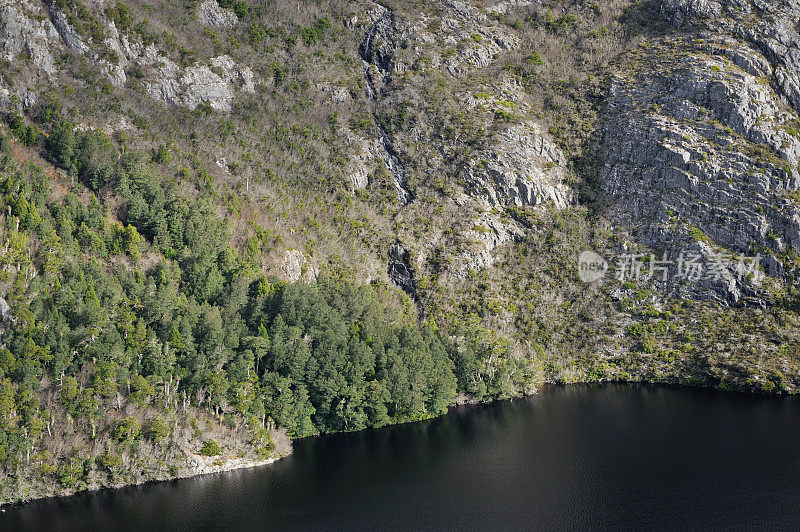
(611, 456)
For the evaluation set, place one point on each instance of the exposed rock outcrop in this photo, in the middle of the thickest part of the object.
(67, 32)
(465, 40)
(196, 84)
(770, 25)
(702, 151)
(392, 46)
(5, 310)
(523, 167)
(22, 33)
(365, 155)
(488, 233)
(338, 94)
(684, 11)
(43, 31)
(209, 13)
(296, 267)
(203, 465)
(475, 39)
(377, 51)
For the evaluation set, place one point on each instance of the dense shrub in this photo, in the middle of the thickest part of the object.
(211, 448)
(156, 429)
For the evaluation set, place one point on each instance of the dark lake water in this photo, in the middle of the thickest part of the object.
(577, 457)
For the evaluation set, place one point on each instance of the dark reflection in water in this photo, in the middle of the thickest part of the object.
(577, 457)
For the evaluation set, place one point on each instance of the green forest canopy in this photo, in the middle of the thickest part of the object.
(87, 315)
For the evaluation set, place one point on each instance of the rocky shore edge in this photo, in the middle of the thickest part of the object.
(195, 466)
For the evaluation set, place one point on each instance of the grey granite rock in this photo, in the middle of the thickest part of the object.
(22, 33)
(209, 13)
(700, 155)
(43, 31)
(196, 84)
(488, 233)
(377, 51)
(295, 267)
(68, 34)
(687, 11)
(522, 167)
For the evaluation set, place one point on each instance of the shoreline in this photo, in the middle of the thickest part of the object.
(195, 466)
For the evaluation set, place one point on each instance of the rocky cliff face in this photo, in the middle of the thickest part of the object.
(42, 31)
(516, 165)
(701, 143)
(770, 26)
(28, 34)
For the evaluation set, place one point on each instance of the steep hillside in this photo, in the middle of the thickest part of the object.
(230, 220)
